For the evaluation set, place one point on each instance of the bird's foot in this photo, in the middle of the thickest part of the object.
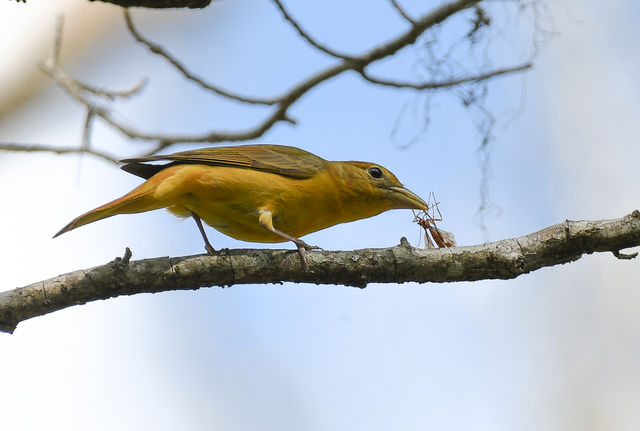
(303, 247)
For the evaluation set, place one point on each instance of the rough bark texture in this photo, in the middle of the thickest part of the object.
(509, 258)
(160, 4)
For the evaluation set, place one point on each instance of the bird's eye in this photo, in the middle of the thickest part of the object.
(375, 172)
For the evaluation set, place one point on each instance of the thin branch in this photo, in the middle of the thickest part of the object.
(86, 130)
(110, 94)
(558, 244)
(160, 4)
(57, 41)
(401, 11)
(69, 84)
(280, 114)
(303, 34)
(30, 148)
(432, 85)
(433, 18)
(283, 103)
(54, 61)
(79, 91)
(162, 52)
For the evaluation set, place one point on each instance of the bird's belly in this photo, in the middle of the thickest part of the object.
(230, 200)
(238, 224)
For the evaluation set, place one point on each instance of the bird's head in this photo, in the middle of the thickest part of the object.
(375, 189)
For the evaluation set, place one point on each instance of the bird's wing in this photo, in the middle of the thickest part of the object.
(278, 159)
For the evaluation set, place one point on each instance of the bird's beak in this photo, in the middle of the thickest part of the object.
(407, 199)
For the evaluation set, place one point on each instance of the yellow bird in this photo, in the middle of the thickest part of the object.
(258, 193)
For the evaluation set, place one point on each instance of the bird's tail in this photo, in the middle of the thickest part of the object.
(138, 200)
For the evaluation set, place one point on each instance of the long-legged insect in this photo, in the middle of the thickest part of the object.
(427, 220)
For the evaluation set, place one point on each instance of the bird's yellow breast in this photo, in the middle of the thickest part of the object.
(230, 199)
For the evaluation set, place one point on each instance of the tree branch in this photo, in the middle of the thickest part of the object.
(303, 34)
(33, 148)
(160, 4)
(110, 94)
(282, 103)
(453, 82)
(558, 244)
(162, 52)
(401, 11)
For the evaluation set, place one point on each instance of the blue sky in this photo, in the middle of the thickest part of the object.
(556, 349)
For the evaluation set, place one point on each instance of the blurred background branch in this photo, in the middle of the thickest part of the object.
(160, 4)
(84, 93)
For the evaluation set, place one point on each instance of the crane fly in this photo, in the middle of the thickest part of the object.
(434, 236)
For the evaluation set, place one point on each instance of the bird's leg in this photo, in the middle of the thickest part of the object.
(207, 246)
(266, 222)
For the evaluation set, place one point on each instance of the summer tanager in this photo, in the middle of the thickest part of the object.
(261, 193)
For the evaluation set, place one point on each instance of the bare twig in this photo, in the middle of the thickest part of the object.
(75, 90)
(432, 85)
(110, 94)
(160, 4)
(52, 64)
(433, 18)
(57, 41)
(281, 103)
(558, 244)
(86, 130)
(29, 148)
(303, 34)
(162, 52)
(401, 11)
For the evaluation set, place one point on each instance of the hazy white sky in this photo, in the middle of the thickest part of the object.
(552, 350)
